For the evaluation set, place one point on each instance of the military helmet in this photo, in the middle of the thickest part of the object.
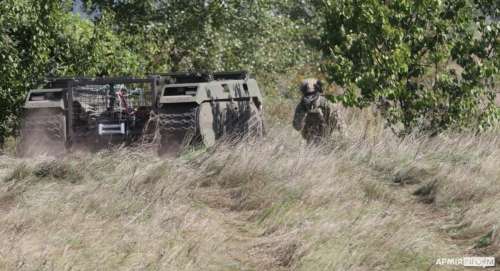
(311, 86)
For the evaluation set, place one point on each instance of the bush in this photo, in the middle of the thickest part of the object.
(428, 65)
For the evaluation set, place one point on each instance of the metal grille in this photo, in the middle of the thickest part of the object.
(91, 99)
(95, 104)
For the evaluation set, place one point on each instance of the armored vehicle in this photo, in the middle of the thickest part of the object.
(85, 112)
(185, 108)
(202, 108)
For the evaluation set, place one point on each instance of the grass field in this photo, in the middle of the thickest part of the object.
(365, 201)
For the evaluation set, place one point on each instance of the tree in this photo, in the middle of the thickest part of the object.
(213, 35)
(428, 64)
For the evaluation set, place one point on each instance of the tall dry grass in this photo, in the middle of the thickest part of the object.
(365, 201)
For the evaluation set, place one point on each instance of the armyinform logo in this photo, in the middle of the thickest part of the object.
(468, 261)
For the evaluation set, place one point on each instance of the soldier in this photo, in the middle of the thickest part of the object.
(315, 116)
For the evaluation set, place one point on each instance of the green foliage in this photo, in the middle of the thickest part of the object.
(25, 46)
(213, 35)
(428, 64)
(91, 49)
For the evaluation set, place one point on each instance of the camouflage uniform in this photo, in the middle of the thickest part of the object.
(315, 116)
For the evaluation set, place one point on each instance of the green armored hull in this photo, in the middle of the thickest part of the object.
(204, 108)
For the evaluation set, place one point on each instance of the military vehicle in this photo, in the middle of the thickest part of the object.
(182, 108)
(85, 112)
(201, 108)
